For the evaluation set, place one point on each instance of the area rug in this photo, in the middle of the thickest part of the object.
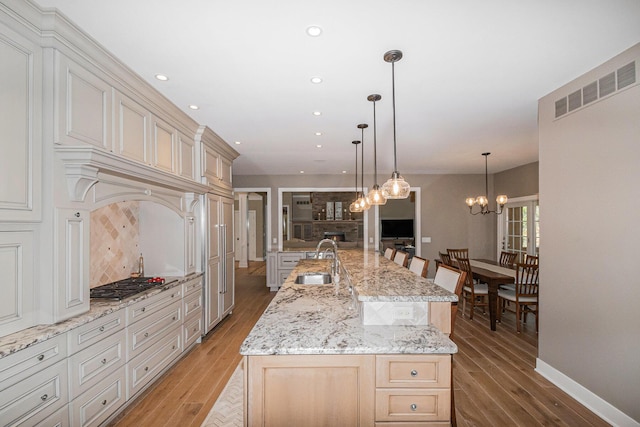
(227, 411)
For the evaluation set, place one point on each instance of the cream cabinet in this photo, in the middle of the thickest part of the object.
(83, 106)
(186, 156)
(190, 248)
(71, 263)
(216, 159)
(280, 265)
(318, 390)
(100, 401)
(145, 332)
(20, 121)
(131, 124)
(273, 282)
(192, 309)
(163, 145)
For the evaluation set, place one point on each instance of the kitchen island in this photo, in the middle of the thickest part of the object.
(310, 360)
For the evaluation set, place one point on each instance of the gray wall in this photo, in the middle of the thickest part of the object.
(589, 203)
(445, 216)
(517, 182)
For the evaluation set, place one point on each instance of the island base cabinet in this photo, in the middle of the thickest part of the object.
(310, 390)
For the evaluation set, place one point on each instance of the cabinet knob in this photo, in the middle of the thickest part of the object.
(143, 308)
(77, 214)
(103, 361)
(414, 373)
(41, 358)
(414, 407)
(44, 397)
(104, 402)
(174, 317)
(101, 328)
(146, 368)
(146, 334)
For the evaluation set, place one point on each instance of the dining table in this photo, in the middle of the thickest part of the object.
(493, 274)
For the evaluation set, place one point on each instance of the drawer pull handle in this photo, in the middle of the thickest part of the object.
(414, 407)
(173, 348)
(101, 328)
(104, 402)
(103, 361)
(41, 358)
(77, 214)
(172, 295)
(146, 334)
(44, 397)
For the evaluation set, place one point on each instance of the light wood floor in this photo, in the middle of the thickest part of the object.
(494, 380)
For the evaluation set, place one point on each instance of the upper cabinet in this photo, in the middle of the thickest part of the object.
(216, 160)
(83, 106)
(132, 123)
(20, 118)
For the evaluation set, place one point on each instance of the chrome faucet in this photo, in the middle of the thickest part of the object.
(334, 266)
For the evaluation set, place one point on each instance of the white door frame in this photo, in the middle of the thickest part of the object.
(267, 218)
(502, 225)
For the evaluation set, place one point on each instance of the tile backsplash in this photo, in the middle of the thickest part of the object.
(114, 242)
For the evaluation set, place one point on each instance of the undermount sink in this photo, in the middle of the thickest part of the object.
(313, 279)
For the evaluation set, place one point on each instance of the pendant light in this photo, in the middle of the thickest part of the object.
(375, 196)
(355, 206)
(362, 201)
(395, 187)
(482, 201)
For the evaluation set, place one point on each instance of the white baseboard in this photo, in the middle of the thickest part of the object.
(593, 402)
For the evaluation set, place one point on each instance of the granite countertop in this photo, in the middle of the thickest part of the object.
(324, 319)
(20, 340)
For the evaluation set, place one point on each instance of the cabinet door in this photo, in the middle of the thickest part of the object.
(210, 165)
(16, 270)
(21, 124)
(71, 263)
(186, 157)
(272, 270)
(82, 109)
(190, 245)
(225, 172)
(131, 128)
(163, 146)
(212, 280)
(227, 291)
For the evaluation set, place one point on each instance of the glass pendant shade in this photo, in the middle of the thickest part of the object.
(502, 199)
(396, 187)
(355, 207)
(375, 196)
(363, 203)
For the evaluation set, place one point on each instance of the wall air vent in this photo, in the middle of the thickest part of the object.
(604, 86)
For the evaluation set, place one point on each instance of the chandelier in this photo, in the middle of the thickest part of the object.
(482, 201)
(395, 187)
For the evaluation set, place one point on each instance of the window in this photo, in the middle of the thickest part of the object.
(519, 227)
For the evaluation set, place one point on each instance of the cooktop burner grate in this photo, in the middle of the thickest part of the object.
(124, 288)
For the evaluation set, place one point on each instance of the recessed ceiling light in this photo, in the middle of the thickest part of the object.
(301, 171)
(194, 107)
(237, 142)
(316, 80)
(318, 133)
(344, 171)
(319, 146)
(317, 113)
(162, 77)
(314, 31)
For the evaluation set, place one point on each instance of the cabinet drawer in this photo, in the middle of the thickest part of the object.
(282, 276)
(192, 303)
(402, 404)
(59, 419)
(147, 307)
(25, 363)
(87, 367)
(144, 333)
(289, 259)
(192, 329)
(100, 401)
(192, 286)
(95, 331)
(430, 371)
(35, 398)
(152, 361)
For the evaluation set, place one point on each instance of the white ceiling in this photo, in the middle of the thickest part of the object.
(469, 81)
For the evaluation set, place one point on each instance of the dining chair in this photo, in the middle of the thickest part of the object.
(419, 266)
(389, 253)
(507, 259)
(454, 254)
(445, 258)
(531, 259)
(401, 258)
(452, 280)
(525, 295)
(476, 293)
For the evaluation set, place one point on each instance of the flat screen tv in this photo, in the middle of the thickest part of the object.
(397, 228)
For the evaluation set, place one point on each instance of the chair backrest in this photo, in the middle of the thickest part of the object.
(450, 278)
(445, 258)
(507, 259)
(419, 266)
(530, 259)
(389, 253)
(526, 279)
(455, 254)
(465, 265)
(401, 258)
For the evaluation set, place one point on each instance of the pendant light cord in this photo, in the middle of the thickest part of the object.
(362, 161)
(393, 101)
(375, 150)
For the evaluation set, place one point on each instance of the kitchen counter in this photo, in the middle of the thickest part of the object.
(20, 340)
(324, 319)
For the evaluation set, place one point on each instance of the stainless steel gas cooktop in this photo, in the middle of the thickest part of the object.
(125, 288)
